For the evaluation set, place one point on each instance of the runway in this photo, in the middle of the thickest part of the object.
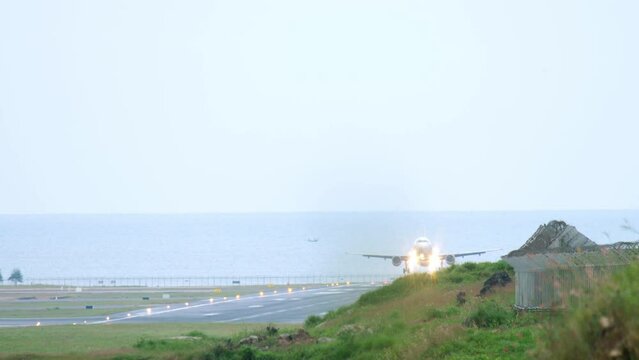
(276, 306)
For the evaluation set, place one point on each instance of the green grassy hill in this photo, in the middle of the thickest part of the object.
(416, 317)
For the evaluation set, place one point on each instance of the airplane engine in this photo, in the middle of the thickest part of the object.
(397, 260)
(450, 260)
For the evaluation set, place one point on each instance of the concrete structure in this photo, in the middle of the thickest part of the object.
(558, 264)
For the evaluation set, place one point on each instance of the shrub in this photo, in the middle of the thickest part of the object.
(220, 351)
(163, 344)
(196, 333)
(312, 321)
(271, 330)
(248, 353)
(489, 314)
(469, 272)
(131, 357)
(149, 344)
(470, 266)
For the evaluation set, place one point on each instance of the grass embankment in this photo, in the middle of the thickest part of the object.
(418, 316)
(415, 317)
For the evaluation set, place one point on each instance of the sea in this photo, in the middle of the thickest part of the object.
(269, 244)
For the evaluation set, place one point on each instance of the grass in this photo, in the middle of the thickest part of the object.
(415, 317)
(604, 326)
(490, 314)
(102, 339)
(504, 343)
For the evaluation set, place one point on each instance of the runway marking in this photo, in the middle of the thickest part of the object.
(276, 312)
(323, 303)
(256, 306)
(254, 316)
(207, 303)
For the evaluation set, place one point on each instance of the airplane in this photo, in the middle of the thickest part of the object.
(424, 254)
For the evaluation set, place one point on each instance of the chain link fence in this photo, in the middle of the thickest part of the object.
(208, 281)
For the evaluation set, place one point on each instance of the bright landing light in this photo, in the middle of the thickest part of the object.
(434, 262)
(413, 261)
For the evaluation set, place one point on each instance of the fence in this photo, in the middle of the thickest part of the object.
(558, 277)
(208, 281)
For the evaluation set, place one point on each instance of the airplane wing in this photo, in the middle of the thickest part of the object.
(444, 256)
(403, 257)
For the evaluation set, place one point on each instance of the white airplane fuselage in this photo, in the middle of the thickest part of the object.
(423, 249)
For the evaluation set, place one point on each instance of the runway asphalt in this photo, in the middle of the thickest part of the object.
(276, 306)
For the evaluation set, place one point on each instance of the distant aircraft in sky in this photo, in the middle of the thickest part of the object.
(424, 254)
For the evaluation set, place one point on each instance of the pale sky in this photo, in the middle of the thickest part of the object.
(223, 106)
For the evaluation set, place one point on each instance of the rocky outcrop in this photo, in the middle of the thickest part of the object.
(500, 278)
(556, 235)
